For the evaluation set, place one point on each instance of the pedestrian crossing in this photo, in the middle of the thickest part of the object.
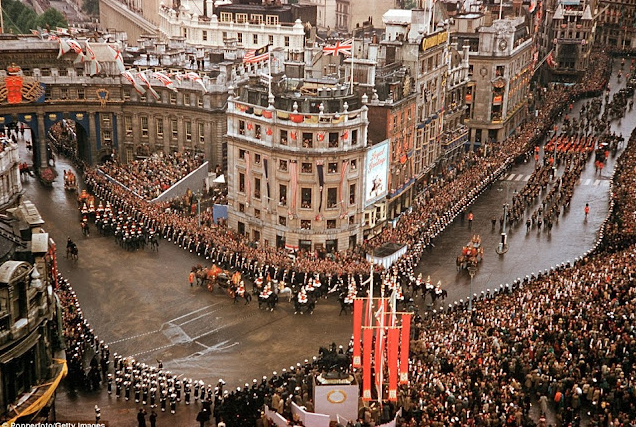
(589, 181)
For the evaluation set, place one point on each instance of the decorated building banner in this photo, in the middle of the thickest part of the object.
(376, 172)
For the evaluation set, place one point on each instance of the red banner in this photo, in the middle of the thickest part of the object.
(393, 343)
(367, 343)
(404, 350)
(14, 89)
(357, 330)
(378, 355)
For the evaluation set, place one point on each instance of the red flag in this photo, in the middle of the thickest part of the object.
(357, 329)
(14, 89)
(393, 342)
(378, 355)
(367, 343)
(404, 350)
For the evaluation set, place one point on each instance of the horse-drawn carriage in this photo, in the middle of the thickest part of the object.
(472, 254)
(214, 275)
(70, 181)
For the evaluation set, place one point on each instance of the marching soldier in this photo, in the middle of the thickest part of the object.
(186, 391)
(164, 397)
(173, 402)
(153, 397)
(110, 383)
(127, 390)
(137, 392)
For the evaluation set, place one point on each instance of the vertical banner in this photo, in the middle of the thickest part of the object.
(378, 355)
(404, 349)
(248, 178)
(293, 186)
(265, 166)
(367, 343)
(393, 343)
(343, 181)
(357, 329)
(321, 180)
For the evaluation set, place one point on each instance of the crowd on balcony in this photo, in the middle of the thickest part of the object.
(150, 177)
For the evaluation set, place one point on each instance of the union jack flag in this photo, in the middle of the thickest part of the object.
(256, 55)
(344, 47)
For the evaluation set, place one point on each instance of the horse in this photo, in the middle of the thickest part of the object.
(303, 307)
(283, 289)
(269, 301)
(236, 294)
(332, 361)
(154, 242)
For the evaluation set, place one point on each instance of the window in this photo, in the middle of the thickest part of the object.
(257, 188)
(306, 167)
(308, 140)
(500, 70)
(257, 159)
(144, 126)
(286, 41)
(241, 228)
(239, 37)
(200, 101)
(241, 127)
(257, 213)
(201, 133)
(352, 194)
(241, 208)
(175, 128)
(63, 93)
(186, 99)
(241, 18)
(256, 236)
(332, 197)
(107, 137)
(305, 198)
(282, 220)
(226, 17)
(241, 154)
(255, 38)
(126, 94)
(283, 137)
(188, 130)
(257, 131)
(354, 164)
(270, 40)
(282, 165)
(173, 98)
(331, 224)
(204, 36)
(282, 194)
(256, 18)
(305, 224)
(332, 167)
(333, 139)
(241, 182)
(354, 137)
(128, 125)
(271, 20)
(159, 125)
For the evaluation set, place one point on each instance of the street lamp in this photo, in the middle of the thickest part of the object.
(472, 269)
(502, 248)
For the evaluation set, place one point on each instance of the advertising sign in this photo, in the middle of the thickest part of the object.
(376, 172)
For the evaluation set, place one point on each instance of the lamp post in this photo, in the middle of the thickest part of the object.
(471, 271)
(502, 248)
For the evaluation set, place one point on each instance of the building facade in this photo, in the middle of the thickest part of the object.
(29, 323)
(10, 181)
(615, 24)
(296, 177)
(573, 28)
(500, 70)
(455, 132)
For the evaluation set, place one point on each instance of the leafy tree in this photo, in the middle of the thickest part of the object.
(20, 19)
(91, 7)
(51, 17)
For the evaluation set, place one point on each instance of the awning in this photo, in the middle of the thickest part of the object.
(40, 395)
(219, 179)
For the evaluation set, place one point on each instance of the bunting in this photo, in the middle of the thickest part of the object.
(167, 82)
(129, 76)
(293, 186)
(393, 343)
(343, 180)
(357, 329)
(190, 75)
(144, 79)
(405, 341)
(367, 343)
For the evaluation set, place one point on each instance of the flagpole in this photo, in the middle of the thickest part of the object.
(269, 72)
(370, 304)
(353, 55)
(1, 19)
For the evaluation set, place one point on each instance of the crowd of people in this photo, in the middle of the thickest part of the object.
(150, 177)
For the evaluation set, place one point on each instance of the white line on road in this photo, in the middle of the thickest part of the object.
(526, 178)
(587, 181)
(519, 177)
(510, 177)
(597, 182)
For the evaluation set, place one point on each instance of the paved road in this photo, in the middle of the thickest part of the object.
(536, 251)
(140, 302)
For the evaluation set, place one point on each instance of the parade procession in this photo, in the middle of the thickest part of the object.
(319, 215)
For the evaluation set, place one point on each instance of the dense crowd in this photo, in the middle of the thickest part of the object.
(150, 177)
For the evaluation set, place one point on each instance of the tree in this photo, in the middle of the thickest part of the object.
(51, 17)
(91, 7)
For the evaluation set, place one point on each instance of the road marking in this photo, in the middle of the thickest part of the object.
(519, 177)
(587, 181)
(527, 178)
(196, 318)
(597, 182)
(510, 177)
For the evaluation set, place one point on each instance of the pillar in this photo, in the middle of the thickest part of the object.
(43, 159)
